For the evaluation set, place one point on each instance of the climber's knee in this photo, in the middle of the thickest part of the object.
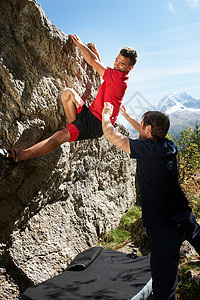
(66, 94)
(69, 95)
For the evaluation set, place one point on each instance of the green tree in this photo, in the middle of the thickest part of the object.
(188, 143)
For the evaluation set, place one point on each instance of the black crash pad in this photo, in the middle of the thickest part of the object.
(98, 273)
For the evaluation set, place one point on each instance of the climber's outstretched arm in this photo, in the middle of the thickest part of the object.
(91, 54)
(110, 133)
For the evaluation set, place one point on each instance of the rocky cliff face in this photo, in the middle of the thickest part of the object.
(55, 206)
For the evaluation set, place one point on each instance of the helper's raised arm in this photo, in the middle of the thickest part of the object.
(132, 121)
(110, 133)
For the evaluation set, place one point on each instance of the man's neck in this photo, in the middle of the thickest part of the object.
(154, 139)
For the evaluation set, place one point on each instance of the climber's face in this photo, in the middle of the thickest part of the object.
(122, 64)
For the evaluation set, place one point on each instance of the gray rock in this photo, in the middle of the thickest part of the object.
(187, 250)
(55, 206)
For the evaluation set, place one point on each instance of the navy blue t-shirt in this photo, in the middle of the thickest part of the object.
(162, 198)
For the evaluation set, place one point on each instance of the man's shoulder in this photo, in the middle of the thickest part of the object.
(141, 142)
(138, 147)
(114, 74)
(144, 147)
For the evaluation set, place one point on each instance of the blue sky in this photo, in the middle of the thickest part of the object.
(166, 35)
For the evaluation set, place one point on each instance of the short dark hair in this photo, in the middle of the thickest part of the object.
(159, 123)
(131, 53)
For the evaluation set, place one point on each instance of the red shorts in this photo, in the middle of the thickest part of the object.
(85, 127)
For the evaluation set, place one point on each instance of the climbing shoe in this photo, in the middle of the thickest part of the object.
(9, 156)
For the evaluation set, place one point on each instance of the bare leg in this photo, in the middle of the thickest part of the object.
(45, 146)
(71, 101)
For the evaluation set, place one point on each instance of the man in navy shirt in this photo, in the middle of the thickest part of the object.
(166, 214)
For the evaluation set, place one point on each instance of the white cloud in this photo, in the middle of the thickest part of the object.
(171, 7)
(147, 77)
(187, 26)
(193, 3)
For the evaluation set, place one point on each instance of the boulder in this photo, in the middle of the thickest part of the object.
(55, 206)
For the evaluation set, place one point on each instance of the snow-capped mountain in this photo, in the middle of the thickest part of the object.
(182, 109)
(178, 102)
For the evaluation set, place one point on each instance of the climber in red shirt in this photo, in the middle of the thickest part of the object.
(85, 122)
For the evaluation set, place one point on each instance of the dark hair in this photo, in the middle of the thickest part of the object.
(131, 53)
(159, 123)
